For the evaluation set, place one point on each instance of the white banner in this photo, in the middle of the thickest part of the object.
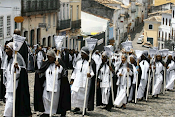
(18, 41)
(58, 41)
(91, 43)
(100, 41)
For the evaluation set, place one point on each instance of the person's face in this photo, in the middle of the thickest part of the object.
(8, 51)
(132, 60)
(104, 59)
(170, 57)
(51, 59)
(40, 48)
(123, 59)
(158, 57)
(83, 55)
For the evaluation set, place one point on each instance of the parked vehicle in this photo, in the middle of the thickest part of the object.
(139, 40)
(147, 45)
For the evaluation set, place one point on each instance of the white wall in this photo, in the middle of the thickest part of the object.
(8, 8)
(91, 23)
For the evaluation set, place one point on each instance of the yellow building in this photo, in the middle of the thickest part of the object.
(161, 2)
(151, 30)
(40, 21)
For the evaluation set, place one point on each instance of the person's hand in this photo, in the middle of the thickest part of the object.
(16, 66)
(57, 63)
(71, 82)
(88, 75)
(120, 74)
(128, 69)
(168, 67)
(138, 70)
(154, 67)
(111, 68)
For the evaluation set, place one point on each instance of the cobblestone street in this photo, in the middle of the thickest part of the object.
(162, 106)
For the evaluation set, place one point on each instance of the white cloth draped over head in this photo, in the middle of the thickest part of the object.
(51, 53)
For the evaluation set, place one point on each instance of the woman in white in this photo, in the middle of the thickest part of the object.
(158, 79)
(170, 73)
(121, 98)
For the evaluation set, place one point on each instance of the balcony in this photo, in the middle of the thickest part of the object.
(35, 7)
(63, 24)
(76, 24)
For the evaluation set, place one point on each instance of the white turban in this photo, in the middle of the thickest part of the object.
(51, 53)
(10, 45)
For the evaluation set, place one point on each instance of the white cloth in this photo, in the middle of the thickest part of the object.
(8, 74)
(158, 79)
(47, 93)
(170, 76)
(97, 59)
(104, 76)
(144, 67)
(78, 87)
(39, 59)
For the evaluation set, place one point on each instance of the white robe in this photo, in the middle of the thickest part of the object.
(105, 84)
(48, 86)
(122, 86)
(8, 74)
(39, 59)
(144, 78)
(170, 76)
(78, 87)
(158, 78)
(97, 59)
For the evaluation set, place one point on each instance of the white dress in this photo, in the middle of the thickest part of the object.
(170, 76)
(39, 59)
(104, 76)
(48, 86)
(144, 77)
(158, 79)
(122, 86)
(8, 74)
(78, 87)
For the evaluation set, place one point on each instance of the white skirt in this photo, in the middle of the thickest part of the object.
(121, 96)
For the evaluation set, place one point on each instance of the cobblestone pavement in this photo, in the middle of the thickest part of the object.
(162, 106)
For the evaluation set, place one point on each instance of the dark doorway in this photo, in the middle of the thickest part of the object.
(32, 37)
(49, 41)
(38, 35)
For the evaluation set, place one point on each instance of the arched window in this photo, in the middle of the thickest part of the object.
(162, 35)
(169, 22)
(166, 21)
(163, 21)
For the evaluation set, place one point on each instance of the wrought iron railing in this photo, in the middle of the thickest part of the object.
(63, 24)
(76, 24)
(39, 6)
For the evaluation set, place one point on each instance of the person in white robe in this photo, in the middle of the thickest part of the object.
(170, 76)
(10, 67)
(133, 80)
(40, 57)
(144, 67)
(121, 99)
(78, 80)
(104, 81)
(48, 85)
(158, 79)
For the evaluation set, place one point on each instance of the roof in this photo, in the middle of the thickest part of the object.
(154, 18)
(96, 15)
(167, 11)
(106, 2)
(138, 4)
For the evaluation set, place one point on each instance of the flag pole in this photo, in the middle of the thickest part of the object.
(14, 86)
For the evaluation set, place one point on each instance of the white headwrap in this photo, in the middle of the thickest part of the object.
(10, 45)
(51, 53)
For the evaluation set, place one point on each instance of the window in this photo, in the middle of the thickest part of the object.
(71, 16)
(173, 13)
(163, 21)
(44, 19)
(166, 21)
(169, 36)
(77, 12)
(49, 18)
(165, 35)
(150, 26)
(67, 11)
(8, 25)
(159, 34)
(16, 25)
(169, 22)
(1, 26)
(162, 35)
(44, 41)
(63, 11)
(53, 19)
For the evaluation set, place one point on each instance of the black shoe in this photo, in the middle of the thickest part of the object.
(44, 115)
(108, 109)
(75, 110)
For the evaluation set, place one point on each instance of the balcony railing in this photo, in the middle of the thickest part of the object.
(63, 24)
(34, 7)
(76, 24)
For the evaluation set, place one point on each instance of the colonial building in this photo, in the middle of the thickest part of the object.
(151, 30)
(40, 18)
(8, 11)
